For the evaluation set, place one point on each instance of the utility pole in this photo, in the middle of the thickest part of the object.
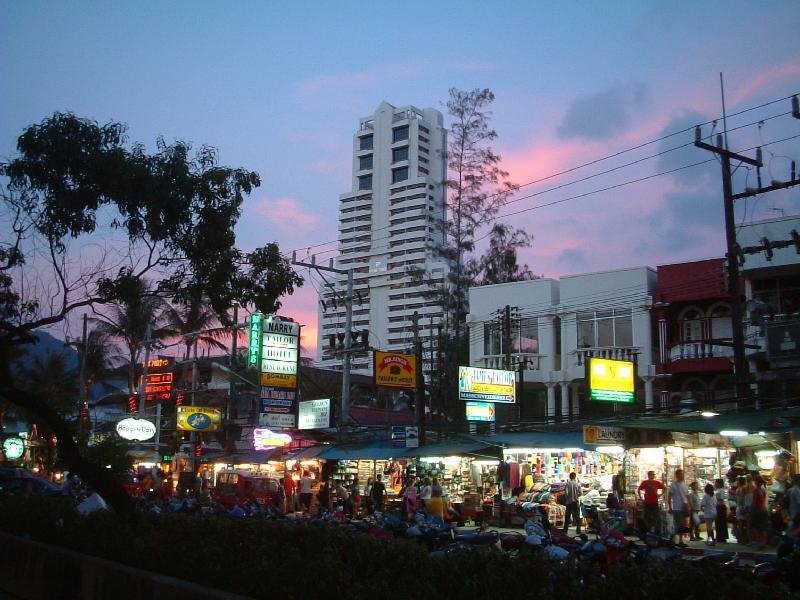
(148, 333)
(739, 360)
(507, 337)
(195, 386)
(419, 404)
(344, 409)
(84, 390)
(234, 348)
(439, 390)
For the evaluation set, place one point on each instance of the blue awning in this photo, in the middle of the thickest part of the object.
(305, 452)
(458, 447)
(373, 451)
(540, 439)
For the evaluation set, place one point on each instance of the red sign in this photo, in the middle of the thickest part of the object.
(158, 387)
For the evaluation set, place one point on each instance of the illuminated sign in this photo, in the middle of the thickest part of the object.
(164, 362)
(279, 325)
(395, 370)
(199, 418)
(13, 447)
(158, 383)
(136, 429)
(480, 411)
(603, 436)
(610, 380)
(280, 380)
(314, 414)
(256, 333)
(264, 438)
(486, 385)
(284, 421)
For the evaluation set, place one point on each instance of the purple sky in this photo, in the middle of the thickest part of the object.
(280, 89)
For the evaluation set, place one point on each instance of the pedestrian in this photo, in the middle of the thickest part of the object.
(369, 505)
(721, 521)
(794, 500)
(679, 507)
(708, 504)
(435, 506)
(343, 499)
(694, 501)
(305, 492)
(572, 495)
(378, 494)
(324, 498)
(410, 498)
(288, 485)
(758, 523)
(742, 509)
(425, 492)
(653, 489)
(165, 490)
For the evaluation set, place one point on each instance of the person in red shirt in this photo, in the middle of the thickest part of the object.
(653, 489)
(289, 486)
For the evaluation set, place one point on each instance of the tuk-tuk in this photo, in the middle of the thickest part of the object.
(236, 487)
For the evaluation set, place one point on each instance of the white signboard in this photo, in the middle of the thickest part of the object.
(273, 325)
(136, 429)
(412, 437)
(315, 414)
(282, 420)
(270, 365)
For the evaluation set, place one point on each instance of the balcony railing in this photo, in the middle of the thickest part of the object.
(613, 353)
(699, 350)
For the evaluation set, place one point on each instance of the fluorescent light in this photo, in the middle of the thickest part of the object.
(708, 413)
(766, 452)
(732, 433)
(610, 449)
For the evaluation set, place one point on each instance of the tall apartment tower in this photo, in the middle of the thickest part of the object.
(389, 222)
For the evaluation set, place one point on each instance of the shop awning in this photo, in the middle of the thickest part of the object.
(458, 447)
(305, 452)
(539, 439)
(770, 420)
(373, 451)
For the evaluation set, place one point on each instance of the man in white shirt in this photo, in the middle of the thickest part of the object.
(305, 491)
(678, 503)
(572, 494)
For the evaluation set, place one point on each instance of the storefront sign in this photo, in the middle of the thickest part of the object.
(395, 370)
(412, 437)
(600, 435)
(610, 380)
(279, 380)
(281, 420)
(480, 411)
(256, 333)
(264, 438)
(13, 447)
(486, 385)
(783, 340)
(199, 418)
(136, 429)
(314, 414)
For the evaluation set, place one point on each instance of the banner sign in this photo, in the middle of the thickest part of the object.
(610, 380)
(480, 411)
(314, 414)
(395, 370)
(136, 429)
(600, 435)
(284, 421)
(256, 333)
(278, 380)
(487, 385)
(199, 418)
(264, 438)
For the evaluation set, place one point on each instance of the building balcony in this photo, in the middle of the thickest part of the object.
(612, 353)
(699, 357)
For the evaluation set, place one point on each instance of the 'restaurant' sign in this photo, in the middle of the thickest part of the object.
(393, 369)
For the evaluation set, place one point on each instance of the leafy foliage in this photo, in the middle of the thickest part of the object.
(499, 263)
(92, 218)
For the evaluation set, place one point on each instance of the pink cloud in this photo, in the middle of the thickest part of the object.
(357, 79)
(286, 213)
(787, 70)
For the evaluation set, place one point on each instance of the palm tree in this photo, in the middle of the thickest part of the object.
(128, 320)
(195, 317)
(51, 376)
(102, 357)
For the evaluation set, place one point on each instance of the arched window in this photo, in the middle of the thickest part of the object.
(721, 325)
(691, 325)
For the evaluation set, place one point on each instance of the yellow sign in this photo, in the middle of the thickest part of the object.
(281, 380)
(611, 380)
(395, 370)
(199, 418)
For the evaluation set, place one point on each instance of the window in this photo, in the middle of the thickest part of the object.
(399, 134)
(691, 325)
(422, 159)
(365, 162)
(524, 337)
(721, 326)
(422, 170)
(399, 154)
(423, 149)
(605, 329)
(400, 174)
(422, 138)
(425, 129)
(365, 182)
(365, 142)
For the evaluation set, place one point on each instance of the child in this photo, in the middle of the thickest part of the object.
(709, 507)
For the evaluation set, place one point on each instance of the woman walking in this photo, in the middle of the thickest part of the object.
(721, 522)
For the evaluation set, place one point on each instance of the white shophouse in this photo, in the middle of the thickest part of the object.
(556, 325)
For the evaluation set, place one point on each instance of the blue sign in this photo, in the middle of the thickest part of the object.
(199, 421)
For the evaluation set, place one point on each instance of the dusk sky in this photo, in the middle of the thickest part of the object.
(279, 88)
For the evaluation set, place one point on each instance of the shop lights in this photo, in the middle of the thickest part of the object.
(709, 413)
(733, 433)
(610, 449)
(766, 453)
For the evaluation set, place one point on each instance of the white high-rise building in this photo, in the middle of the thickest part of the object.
(388, 223)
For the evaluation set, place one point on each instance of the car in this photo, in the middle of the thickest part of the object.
(7, 472)
(29, 486)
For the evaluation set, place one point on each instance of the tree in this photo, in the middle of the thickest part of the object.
(499, 263)
(136, 314)
(90, 216)
(197, 317)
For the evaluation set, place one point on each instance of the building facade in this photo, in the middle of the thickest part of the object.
(555, 326)
(389, 223)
